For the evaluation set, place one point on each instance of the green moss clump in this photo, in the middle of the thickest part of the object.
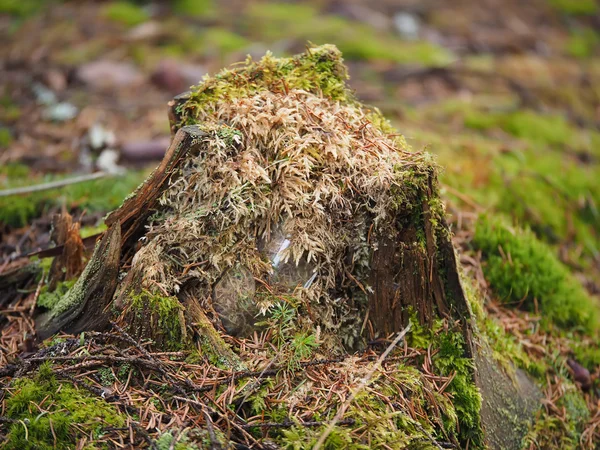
(223, 40)
(48, 299)
(5, 137)
(524, 271)
(507, 350)
(52, 414)
(583, 43)
(159, 316)
(320, 70)
(22, 8)
(541, 129)
(194, 8)
(448, 348)
(125, 12)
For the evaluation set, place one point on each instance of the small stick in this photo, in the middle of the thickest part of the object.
(52, 184)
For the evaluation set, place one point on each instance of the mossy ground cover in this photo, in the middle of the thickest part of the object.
(526, 273)
(48, 414)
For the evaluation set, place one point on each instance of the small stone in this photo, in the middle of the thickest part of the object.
(145, 150)
(107, 162)
(43, 95)
(580, 374)
(99, 137)
(106, 74)
(407, 25)
(61, 112)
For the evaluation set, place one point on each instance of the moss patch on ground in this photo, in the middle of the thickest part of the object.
(48, 299)
(275, 21)
(53, 414)
(98, 195)
(526, 273)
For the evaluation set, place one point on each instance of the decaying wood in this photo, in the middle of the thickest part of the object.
(206, 330)
(409, 278)
(84, 305)
(69, 264)
(17, 278)
(174, 115)
(135, 210)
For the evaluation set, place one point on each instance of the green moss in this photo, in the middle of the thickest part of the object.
(449, 359)
(98, 195)
(319, 70)
(524, 271)
(92, 230)
(167, 441)
(507, 350)
(550, 431)
(53, 414)
(466, 398)
(22, 8)
(297, 438)
(163, 316)
(48, 299)
(586, 354)
(5, 137)
(223, 40)
(575, 7)
(541, 129)
(125, 12)
(9, 110)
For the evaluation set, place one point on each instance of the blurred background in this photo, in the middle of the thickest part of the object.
(505, 94)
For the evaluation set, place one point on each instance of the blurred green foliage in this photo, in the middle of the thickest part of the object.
(98, 195)
(125, 12)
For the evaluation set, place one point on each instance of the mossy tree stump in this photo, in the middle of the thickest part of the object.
(279, 192)
(352, 201)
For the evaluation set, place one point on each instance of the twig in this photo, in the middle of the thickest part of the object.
(52, 184)
(289, 423)
(361, 386)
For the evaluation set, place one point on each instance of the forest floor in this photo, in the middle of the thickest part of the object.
(504, 93)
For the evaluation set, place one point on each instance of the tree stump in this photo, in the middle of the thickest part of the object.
(279, 192)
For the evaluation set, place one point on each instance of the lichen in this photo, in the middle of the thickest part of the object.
(53, 414)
